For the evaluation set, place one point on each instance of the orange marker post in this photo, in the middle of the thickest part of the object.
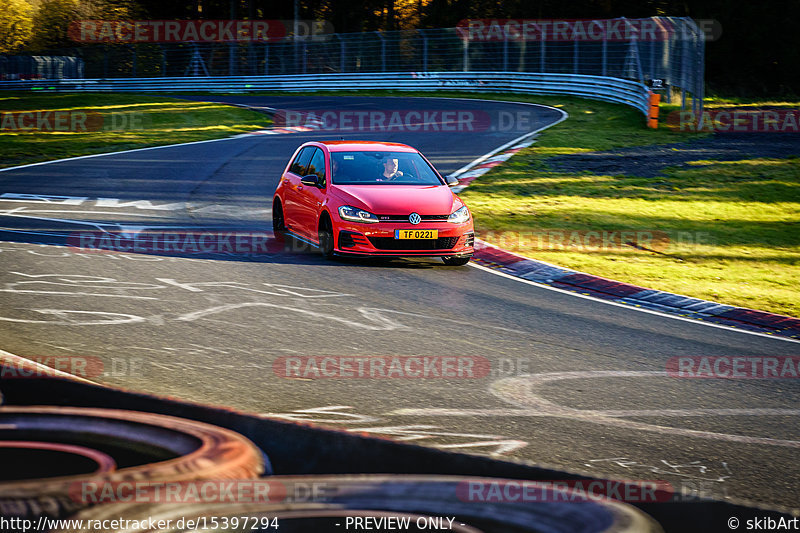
(652, 116)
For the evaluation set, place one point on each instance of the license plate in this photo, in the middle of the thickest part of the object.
(416, 234)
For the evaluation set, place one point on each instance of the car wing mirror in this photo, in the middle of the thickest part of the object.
(311, 179)
(452, 181)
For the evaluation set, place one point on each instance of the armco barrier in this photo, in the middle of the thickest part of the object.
(609, 89)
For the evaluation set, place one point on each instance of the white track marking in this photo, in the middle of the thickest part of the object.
(630, 307)
(519, 391)
(113, 153)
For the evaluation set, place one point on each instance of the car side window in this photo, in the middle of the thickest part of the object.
(300, 163)
(317, 166)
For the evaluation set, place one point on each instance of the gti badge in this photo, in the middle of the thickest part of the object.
(414, 218)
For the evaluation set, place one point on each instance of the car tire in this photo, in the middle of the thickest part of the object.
(278, 222)
(142, 447)
(318, 503)
(325, 235)
(456, 260)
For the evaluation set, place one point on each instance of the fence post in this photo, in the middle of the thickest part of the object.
(575, 54)
(383, 51)
(668, 76)
(700, 76)
(424, 50)
(683, 72)
(605, 54)
(542, 48)
(133, 62)
(105, 61)
(266, 59)
(342, 64)
(465, 53)
(505, 51)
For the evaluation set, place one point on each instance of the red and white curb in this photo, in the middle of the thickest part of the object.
(465, 178)
(601, 288)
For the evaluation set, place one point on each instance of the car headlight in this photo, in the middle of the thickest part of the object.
(354, 214)
(459, 216)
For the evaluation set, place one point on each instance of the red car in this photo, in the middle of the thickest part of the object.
(374, 199)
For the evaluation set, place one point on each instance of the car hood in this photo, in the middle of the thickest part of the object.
(399, 199)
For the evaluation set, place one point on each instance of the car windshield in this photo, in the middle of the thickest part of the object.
(387, 168)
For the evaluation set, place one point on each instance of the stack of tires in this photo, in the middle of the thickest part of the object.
(129, 471)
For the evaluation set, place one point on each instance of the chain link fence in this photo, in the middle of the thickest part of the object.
(673, 55)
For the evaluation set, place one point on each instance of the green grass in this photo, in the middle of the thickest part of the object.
(159, 120)
(725, 231)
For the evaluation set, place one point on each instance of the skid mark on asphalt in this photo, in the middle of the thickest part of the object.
(340, 414)
(375, 320)
(520, 392)
(692, 470)
(64, 317)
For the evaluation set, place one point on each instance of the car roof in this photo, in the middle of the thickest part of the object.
(366, 146)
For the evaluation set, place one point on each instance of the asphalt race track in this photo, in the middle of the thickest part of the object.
(575, 383)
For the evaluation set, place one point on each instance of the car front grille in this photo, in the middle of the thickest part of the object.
(389, 243)
(404, 218)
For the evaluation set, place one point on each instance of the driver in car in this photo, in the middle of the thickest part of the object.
(390, 170)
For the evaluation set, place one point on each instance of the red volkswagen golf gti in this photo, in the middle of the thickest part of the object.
(371, 198)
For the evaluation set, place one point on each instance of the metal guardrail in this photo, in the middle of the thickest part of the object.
(609, 89)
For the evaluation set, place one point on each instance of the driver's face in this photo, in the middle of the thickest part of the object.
(390, 165)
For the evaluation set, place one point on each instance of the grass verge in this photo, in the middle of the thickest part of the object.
(723, 231)
(120, 121)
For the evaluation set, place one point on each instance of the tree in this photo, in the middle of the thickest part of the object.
(16, 25)
(51, 22)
